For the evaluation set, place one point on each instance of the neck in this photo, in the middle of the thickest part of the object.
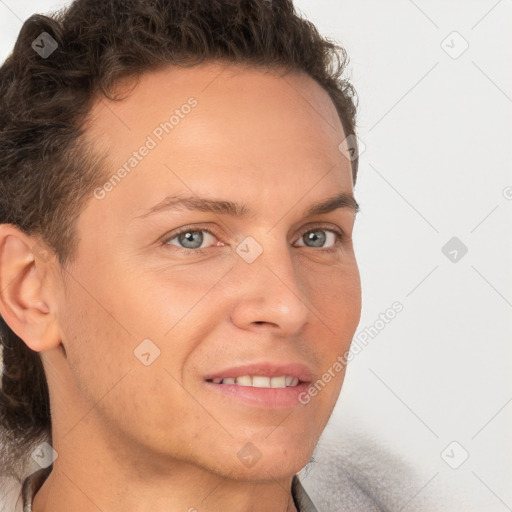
(62, 491)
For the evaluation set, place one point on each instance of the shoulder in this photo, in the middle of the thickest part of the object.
(357, 474)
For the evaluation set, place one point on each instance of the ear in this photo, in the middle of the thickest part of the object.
(27, 301)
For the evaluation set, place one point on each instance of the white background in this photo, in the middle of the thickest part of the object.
(437, 164)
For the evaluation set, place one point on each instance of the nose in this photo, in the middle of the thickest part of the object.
(270, 292)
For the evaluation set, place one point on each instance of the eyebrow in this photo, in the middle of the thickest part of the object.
(203, 204)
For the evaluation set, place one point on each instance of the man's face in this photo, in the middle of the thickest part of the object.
(209, 301)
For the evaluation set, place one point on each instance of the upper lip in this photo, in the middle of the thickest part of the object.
(301, 371)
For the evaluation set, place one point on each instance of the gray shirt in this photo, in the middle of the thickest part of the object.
(33, 483)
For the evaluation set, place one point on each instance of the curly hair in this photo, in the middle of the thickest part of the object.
(48, 168)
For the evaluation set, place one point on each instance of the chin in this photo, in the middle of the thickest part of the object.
(265, 472)
(270, 461)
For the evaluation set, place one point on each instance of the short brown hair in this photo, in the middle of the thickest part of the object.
(47, 168)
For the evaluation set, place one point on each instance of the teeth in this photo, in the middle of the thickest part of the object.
(259, 381)
(278, 382)
(244, 381)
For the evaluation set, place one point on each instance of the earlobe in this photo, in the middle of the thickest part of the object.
(25, 294)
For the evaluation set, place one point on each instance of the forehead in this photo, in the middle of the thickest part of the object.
(215, 127)
(246, 105)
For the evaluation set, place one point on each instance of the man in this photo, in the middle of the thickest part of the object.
(176, 263)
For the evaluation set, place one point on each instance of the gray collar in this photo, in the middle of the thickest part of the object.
(32, 484)
(302, 501)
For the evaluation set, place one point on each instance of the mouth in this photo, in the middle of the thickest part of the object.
(259, 381)
(262, 385)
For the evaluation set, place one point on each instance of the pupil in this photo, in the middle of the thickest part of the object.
(318, 240)
(188, 237)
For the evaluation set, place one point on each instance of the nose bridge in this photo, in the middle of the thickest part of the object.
(271, 290)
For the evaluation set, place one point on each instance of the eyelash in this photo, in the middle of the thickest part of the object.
(340, 238)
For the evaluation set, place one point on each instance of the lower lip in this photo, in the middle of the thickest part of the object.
(267, 398)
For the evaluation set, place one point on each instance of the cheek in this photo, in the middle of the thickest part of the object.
(109, 376)
(95, 344)
(336, 296)
(167, 295)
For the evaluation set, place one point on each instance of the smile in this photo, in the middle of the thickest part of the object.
(259, 381)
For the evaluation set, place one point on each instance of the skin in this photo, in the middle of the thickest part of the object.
(261, 138)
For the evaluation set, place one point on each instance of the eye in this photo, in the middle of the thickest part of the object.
(190, 239)
(320, 236)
